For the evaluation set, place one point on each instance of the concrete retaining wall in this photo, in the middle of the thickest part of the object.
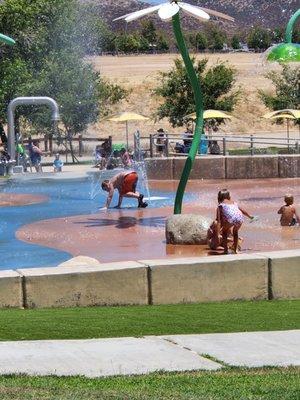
(284, 274)
(11, 292)
(202, 279)
(113, 284)
(231, 167)
(166, 281)
(204, 168)
(289, 166)
(251, 167)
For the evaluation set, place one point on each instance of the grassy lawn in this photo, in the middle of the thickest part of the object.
(230, 384)
(100, 322)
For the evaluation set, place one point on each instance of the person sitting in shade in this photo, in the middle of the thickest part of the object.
(160, 141)
(125, 182)
(35, 154)
(125, 157)
(187, 138)
(57, 163)
(214, 148)
(100, 158)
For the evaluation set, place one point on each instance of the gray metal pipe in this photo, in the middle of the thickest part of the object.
(21, 101)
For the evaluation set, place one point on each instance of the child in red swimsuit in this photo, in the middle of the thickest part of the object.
(125, 183)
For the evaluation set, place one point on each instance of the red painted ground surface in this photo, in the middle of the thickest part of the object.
(139, 234)
(14, 199)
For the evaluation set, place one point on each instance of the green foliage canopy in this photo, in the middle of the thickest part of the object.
(259, 38)
(217, 84)
(198, 41)
(287, 89)
(48, 61)
(235, 42)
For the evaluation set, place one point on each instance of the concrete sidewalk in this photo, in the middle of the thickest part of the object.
(128, 356)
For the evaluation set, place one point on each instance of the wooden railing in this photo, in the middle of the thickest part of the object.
(48, 140)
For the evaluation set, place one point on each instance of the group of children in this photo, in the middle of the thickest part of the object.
(117, 158)
(224, 231)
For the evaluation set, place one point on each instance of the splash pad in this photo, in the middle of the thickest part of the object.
(70, 224)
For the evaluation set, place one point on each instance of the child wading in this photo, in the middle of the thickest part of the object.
(289, 216)
(125, 183)
(230, 218)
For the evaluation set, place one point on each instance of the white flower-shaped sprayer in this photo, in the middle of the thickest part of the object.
(167, 12)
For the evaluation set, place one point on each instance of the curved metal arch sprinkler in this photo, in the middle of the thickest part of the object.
(170, 11)
(21, 101)
(287, 51)
(7, 40)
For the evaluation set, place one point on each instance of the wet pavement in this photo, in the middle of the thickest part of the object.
(134, 234)
(14, 199)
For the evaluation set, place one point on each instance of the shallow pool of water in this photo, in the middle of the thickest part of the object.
(65, 198)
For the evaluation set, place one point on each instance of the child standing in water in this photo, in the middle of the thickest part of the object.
(230, 217)
(289, 216)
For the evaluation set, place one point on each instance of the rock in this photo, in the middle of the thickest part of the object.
(186, 229)
(80, 261)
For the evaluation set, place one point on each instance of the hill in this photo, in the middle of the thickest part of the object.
(267, 13)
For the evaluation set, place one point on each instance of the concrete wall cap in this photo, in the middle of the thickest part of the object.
(256, 156)
(9, 273)
(203, 260)
(282, 254)
(80, 269)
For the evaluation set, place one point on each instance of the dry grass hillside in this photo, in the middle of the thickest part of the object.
(139, 73)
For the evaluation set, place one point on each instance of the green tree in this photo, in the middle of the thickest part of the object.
(162, 43)
(176, 91)
(144, 45)
(148, 31)
(259, 38)
(296, 35)
(198, 41)
(129, 43)
(235, 42)
(277, 35)
(48, 60)
(215, 36)
(287, 89)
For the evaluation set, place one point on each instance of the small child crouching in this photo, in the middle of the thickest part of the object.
(57, 164)
(230, 218)
(289, 216)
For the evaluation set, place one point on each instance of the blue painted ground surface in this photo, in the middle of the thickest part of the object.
(66, 198)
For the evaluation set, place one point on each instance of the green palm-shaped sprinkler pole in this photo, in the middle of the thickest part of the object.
(287, 51)
(199, 115)
(170, 11)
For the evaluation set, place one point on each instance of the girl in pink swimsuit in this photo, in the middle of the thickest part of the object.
(230, 217)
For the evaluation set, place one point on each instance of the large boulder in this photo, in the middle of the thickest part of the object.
(186, 229)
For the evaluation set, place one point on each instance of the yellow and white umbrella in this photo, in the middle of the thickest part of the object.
(211, 114)
(287, 114)
(126, 117)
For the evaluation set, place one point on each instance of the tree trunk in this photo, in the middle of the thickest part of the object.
(74, 159)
